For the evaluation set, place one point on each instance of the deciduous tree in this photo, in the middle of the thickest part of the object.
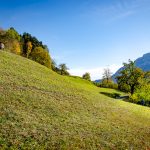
(107, 75)
(15, 47)
(86, 76)
(28, 48)
(130, 76)
(13, 34)
(63, 69)
(41, 56)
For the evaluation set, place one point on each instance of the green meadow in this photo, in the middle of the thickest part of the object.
(40, 109)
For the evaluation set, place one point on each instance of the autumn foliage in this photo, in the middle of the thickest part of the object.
(25, 45)
(41, 56)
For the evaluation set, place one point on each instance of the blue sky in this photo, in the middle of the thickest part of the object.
(87, 35)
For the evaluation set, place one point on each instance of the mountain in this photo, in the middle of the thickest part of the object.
(40, 109)
(98, 80)
(141, 62)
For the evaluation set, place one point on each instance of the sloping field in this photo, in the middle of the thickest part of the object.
(40, 109)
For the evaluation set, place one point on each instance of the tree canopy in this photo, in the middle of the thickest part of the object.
(86, 76)
(129, 77)
(41, 56)
(63, 69)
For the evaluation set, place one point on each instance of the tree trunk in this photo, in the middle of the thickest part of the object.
(132, 90)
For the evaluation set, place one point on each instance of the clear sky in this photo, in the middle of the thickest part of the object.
(87, 35)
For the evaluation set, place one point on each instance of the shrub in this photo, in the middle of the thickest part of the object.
(142, 94)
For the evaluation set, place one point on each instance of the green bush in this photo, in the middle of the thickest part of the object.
(142, 94)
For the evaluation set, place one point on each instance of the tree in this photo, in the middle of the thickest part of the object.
(86, 76)
(130, 77)
(107, 81)
(41, 56)
(28, 48)
(63, 69)
(11, 40)
(26, 37)
(107, 75)
(15, 47)
(13, 34)
(53, 65)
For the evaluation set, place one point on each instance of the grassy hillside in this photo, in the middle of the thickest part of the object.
(40, 109)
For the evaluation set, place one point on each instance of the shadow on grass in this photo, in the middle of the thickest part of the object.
(112, 95)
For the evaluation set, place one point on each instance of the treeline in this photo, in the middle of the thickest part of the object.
(25, 45)
(30, 47)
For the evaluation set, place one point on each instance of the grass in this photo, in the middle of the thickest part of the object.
(40, 109)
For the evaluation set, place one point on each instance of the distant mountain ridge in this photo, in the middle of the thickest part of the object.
(141, 62)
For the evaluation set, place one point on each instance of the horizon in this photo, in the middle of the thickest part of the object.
(87, 35)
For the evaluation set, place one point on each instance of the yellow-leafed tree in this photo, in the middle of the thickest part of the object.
(28, 48)
(15, 47)
(41, 56)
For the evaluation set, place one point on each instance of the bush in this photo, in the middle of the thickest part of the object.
(142, 94)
